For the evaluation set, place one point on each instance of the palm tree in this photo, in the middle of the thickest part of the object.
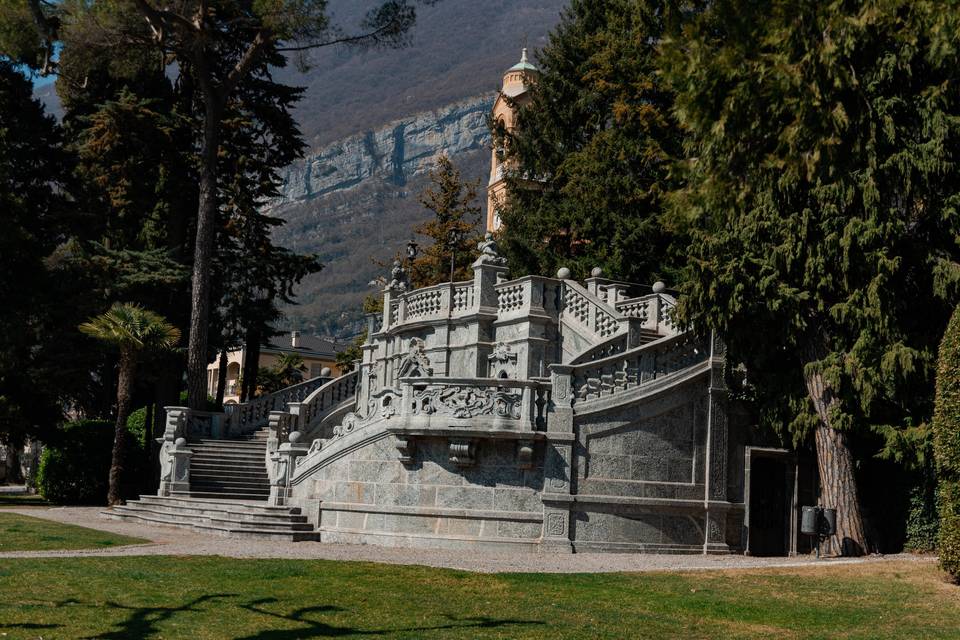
(132, 329)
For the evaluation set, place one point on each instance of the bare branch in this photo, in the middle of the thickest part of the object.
(344, 40)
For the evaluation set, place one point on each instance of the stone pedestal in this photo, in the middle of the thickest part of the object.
(284, 464)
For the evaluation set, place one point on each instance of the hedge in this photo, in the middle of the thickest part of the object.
(946, 446)
(75, 468)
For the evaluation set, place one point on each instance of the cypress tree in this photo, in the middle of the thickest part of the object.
(820, 195)
(946, 438)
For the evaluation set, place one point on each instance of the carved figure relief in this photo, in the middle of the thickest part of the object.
(502, 362)
(415, 363)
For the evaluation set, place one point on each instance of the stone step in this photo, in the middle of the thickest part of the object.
(233, 460)
(230, 445)
(216, 518)
(221, 495)
(224, 530)
(229, 470)
(222, 504)
(208, 485)
(231, 474)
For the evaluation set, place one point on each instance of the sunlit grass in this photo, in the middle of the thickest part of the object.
(212, 597)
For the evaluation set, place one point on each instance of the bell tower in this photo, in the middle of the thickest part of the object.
(515, 92)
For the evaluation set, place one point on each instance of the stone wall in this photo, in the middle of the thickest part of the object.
(369, 496)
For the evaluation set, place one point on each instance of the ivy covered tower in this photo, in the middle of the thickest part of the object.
(514, 92)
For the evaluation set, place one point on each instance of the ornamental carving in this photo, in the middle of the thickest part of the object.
(503, 362)
(415, 363)
(467, 402)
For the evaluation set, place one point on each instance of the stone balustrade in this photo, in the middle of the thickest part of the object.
(591, 314)
(254, 414)
(653, 311)
(634, 368)
(315, 407)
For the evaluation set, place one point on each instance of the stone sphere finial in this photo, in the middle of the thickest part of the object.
(596, 272)
(325, 372)
(180, 442)
(294, 437)
(659, 287)
(563, 273)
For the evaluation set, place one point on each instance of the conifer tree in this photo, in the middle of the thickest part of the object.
(946, 428)
(821, 198)
(453, 230)
(591, 150)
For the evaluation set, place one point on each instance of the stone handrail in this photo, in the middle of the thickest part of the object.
(652, 311)
(310, 411)
(589, 313)
(254, 414)
(436, 302)
(634, 368)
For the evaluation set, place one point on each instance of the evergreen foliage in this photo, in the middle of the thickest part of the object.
(453, 229)
(946, 430)
(36, 371)
(74, 466)
(592, 149)
(820, 194)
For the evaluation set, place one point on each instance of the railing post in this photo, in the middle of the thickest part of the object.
(284, 466)
(174, 453)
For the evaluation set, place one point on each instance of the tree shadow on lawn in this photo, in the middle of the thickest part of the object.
(316, 629)
(143, 621)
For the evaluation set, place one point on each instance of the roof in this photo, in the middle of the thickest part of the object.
(306, 345)
(524, 64)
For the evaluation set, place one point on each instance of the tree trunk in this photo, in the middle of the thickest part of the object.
(251, 363)
(838, 486)
(202, 252)
(124, 390)
(221, 377)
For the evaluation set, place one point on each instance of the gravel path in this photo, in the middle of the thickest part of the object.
(172, 541)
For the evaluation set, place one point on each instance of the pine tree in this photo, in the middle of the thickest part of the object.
(592, 148)
(453, 230)
(821, 198)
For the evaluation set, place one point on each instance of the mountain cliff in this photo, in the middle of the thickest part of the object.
(375, 121)
(393, 153)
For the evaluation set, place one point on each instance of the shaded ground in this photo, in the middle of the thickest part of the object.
(211, 597)
(24, 533)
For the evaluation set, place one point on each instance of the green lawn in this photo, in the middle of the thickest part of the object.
(23, 533)
(212, 597)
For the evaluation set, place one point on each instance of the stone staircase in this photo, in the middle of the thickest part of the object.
(230, 518)
(230, 469)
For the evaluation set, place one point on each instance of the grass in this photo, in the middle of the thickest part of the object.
(24, 533)
(212, 597)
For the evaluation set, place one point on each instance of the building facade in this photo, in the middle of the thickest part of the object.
(317, 354)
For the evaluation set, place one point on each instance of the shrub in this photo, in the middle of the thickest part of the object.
(946, 446)
(75, 467)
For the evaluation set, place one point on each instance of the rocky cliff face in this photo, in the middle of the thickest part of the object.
(393, 153)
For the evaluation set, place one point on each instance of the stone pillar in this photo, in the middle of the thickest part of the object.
(558, 467)
(715, 480)
(284, 465)
(486, 273)
(174, 468)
